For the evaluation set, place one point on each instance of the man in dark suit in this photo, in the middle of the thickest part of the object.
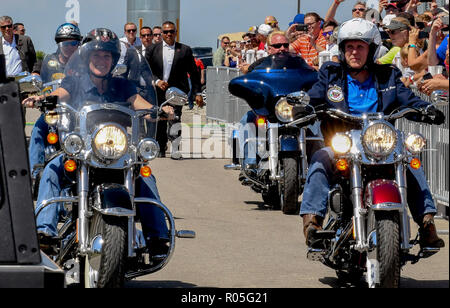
(17, 49)
(171, 62)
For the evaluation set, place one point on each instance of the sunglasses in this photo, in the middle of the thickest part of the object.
(393, 32)
(146, 35)
(330, 33)
(69, 44)
(131, 30)
(169, 31)
(6, 26)
(360, 9)
(278, 46)
(157, 34)
(248, 41)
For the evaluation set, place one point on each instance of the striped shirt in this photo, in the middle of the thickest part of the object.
(303, 46)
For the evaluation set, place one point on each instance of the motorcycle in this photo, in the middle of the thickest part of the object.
(106, 147)
(367, 229)
(282, 152)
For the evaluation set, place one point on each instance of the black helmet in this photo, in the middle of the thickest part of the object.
(101, 39)
(67, 31)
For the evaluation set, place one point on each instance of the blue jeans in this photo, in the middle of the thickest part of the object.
(318, 183)
(38, 142)
(247, 129)
(52, 185)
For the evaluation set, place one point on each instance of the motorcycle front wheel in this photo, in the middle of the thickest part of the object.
(289, 187)
(388, 248)
(104, 266)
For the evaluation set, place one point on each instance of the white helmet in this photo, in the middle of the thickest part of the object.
(361, 30)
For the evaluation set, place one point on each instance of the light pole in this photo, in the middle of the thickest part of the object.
(298, 6)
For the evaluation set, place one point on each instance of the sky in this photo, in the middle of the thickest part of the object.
(201, 21)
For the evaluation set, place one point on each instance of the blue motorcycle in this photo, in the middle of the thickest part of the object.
(278, 153)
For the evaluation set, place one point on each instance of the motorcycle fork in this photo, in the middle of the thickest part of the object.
(129, 184)
(304, 159)
(83, 209)
(272, 136)
(400, 177)
(359, 212)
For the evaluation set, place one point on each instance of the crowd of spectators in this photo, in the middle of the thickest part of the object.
(417, 43)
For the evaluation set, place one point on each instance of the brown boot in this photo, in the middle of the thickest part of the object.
(311, 224)
(428, 234)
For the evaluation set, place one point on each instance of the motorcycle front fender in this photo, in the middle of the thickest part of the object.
(289, 143)
(113, 200)
(383, 195)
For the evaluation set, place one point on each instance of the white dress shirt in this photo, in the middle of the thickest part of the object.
(12, 57)
(168, 55)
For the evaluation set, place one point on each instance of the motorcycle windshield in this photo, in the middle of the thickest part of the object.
(91, 78)
(276, 76)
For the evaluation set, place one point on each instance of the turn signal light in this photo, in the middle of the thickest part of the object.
(342, 164)
(261, 121)
(146, 171)
(52, 138)
(415, 163)
(70, 165)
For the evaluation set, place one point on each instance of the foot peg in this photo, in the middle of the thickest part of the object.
(185, 234)
(426, 252)
(315, 254)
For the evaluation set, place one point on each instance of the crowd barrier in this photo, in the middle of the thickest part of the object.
(226, 108)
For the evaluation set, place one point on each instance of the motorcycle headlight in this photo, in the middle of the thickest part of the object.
(73, 144)
(415, 143)
(51, 118)
(379, 140)
(341, 143)
(283, 111)
(110, 142)
(148, 149)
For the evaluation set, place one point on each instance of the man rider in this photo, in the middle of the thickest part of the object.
(99, 55)
(68, 38)
(356, 85)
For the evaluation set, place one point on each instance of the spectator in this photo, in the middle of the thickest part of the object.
(292, 32)
(157, 31)
(19, 28)
(219, 55)
(273, 22)
(232, 55)
(439, 82)
(358, 11)
(392, 8)
(18, 49)
(146, 36)
(252, 34)
(310, 44)
(129, 40)
(262, 34)
(201, 70)
(436, 56)
(329, 31)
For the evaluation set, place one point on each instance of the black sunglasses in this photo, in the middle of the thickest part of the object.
(6, 26)
(169, 31)
(278, 46)
(360, 9)
(131, 30)
(146, 35)
(157, 34)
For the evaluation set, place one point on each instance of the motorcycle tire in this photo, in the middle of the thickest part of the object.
(388, 248)
(110, 271)
(289, 188)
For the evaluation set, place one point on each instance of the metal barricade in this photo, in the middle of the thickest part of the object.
(435, 160)
(222, 106)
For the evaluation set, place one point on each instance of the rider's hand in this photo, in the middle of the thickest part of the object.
(170, 112)
(30, 101)
(163, 85)
(434, 116)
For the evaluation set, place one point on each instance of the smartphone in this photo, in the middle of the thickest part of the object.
(300, 27)
(444, 20)
(423, 34)
(427, 76)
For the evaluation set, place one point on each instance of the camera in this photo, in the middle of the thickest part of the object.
(301, 27)
(444, 20)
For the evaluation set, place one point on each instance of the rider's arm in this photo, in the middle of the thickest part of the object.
(138, 102)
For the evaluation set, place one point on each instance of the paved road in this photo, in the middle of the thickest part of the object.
(241, 243)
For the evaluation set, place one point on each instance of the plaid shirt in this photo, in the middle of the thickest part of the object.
(303, 46)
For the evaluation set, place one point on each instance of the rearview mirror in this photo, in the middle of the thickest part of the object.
(175, 96)
(30, 84)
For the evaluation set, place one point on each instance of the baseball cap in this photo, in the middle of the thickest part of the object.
(252, 30)
(298, 19)
(398, 23)
(265, 29)
(387, 19)
(392, 4)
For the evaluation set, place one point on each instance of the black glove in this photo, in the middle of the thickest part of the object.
(434, 116)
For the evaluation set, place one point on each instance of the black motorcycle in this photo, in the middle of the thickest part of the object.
(281, 152)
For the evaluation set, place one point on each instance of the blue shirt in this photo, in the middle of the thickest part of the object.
(441, 50)
(362, 97)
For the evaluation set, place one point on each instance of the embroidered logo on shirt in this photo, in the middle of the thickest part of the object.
(335, 94)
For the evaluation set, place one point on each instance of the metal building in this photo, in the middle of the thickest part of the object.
(153, 12)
